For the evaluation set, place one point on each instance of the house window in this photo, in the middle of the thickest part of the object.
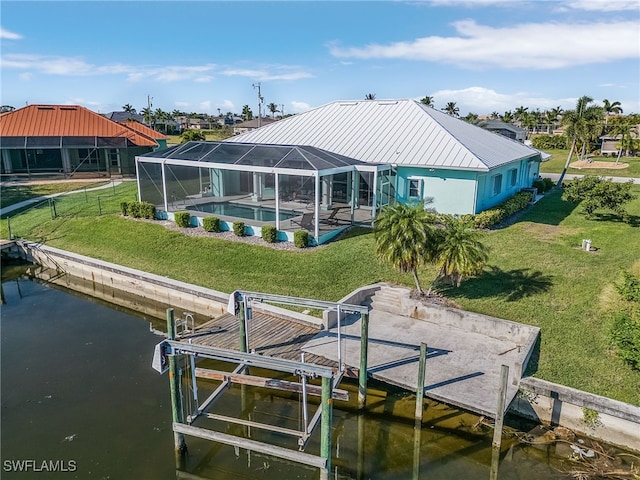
(513, 177)
(497, 184)
(414, 188)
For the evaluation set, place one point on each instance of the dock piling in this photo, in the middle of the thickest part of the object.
(362, 373)
(174, 383)
(420, 387)
(497, 433)
(327, 420)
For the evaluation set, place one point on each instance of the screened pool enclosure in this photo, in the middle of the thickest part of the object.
(290, 187)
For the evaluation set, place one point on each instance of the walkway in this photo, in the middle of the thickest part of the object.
(32, 201)
(556, 176)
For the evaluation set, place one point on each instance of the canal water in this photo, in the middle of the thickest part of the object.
(80, 400)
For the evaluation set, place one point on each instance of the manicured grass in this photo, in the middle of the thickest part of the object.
(210, 136)
(536, 275)
(559, 157)
(17, 194)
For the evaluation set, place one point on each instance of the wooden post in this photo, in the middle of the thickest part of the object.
(243, 331)
(174, 382)
(9, 228)
(327, 414)
(420, 388)
(364, 347)
(497, 432)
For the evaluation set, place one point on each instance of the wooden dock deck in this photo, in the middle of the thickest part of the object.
(268, 335)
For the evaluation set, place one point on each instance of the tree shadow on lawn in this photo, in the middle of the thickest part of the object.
(549, 210)
(495, 282)
(632, 220)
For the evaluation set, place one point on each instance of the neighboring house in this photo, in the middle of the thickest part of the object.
(454, 166)
(610, 145)
(124, 117)
(69, 139)
(337, 165)
(188, 123)
(252, 125)
(505, 129)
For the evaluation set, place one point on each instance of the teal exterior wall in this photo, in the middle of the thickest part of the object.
(446, 191)
(466, 192)
(514, 177)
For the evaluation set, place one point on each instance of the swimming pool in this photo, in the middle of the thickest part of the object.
(259, 213)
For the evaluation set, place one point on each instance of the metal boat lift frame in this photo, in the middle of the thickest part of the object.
(241, 303)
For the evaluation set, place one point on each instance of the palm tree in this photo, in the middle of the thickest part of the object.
(147, 114)
(273, 108)
(128, 108)
(471, 118)
(520, 114)
(461, 253)
(507, 117)
(611, 108)
(582, 125)
(405, 238)
(551, 118)
(428, 101)
(370, 96)
(451, 109)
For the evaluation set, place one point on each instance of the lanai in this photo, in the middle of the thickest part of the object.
(291, 187)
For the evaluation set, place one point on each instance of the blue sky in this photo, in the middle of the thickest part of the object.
(485, 55)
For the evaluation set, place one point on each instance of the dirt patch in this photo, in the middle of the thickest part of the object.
(433, 299)
(546, 233)
(598, 164)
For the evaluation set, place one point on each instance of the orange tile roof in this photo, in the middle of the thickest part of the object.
(143, 130)
(65, 121)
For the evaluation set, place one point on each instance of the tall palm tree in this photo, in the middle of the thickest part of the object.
(494, 115)
(461, 252)
(247, 114)
(405, 238)
(147, 114)
(428, 101)
(451, 109)
(273, 108)
(370, 96)
(581, 124)
(520, 114)
(471, 118)
(611, 108)
(128, 108)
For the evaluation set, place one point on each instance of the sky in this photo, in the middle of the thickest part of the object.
(215, 57)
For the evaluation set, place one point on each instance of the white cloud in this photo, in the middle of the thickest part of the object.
(73, 66)
(482, 100)
(604, 5)
(514, 47)
(7, 35)
(227, 106)
(279, 73)
(299, 107)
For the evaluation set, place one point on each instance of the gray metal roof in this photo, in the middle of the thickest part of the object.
(272, 156)
(397, 132)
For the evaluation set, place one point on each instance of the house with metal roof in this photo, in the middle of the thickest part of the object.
(337, 165)
(506, 129)
(71, 140)
(451, 165)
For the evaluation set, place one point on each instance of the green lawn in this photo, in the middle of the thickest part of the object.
(11, 195)
(210, 136)
(537, 274)
(559, 157)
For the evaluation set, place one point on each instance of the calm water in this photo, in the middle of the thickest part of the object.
(77, 387)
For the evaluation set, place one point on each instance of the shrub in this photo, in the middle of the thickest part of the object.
(124, 208)
(548, 184)
(211, 224)
(183, 219)
(147, 210)
(238, 229)
(549, 142)
(134, 209)
(269, 233)
(487, 218)
(594, 193)
(625, 334)
(301, 238)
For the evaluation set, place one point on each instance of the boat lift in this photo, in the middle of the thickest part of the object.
(241, 304)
